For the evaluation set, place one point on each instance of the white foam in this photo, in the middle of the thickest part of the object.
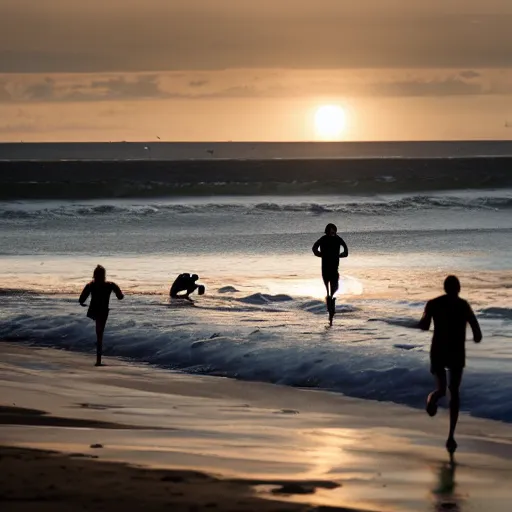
(290, 346)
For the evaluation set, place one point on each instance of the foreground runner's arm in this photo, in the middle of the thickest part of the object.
(475, 326)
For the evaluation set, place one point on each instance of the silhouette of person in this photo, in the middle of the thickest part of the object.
(328, 248)
(185, 283)
(99, 289)
(451, 314)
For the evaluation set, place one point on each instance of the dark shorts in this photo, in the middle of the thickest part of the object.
(97, 315)
(439, 365)
(330, 274)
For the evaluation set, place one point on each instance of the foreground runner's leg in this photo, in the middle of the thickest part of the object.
(440, 392)
(455, 380)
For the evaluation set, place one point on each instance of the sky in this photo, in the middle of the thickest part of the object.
(218, 70)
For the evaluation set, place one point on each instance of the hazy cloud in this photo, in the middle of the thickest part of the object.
(198, 83)
(469, 74)
(51, 36)
(42, 91)
(231, 84)
(83, 88)
(450, 86)
(144, 86)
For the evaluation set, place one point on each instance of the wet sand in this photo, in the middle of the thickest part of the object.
(76, 437)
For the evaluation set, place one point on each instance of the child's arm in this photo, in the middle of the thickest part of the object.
(117, 291)
(85, 293)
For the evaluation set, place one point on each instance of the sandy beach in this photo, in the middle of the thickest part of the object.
(76, 437)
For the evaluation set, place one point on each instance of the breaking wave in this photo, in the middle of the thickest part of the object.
(374, 365)
(22, 211)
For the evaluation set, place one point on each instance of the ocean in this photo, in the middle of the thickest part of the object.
(245, 220)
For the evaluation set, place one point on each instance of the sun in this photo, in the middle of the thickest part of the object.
(330, 122)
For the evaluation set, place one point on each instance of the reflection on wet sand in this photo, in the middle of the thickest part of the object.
(446, 497)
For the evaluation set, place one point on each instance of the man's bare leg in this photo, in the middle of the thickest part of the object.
(455, 380)
(328, 296)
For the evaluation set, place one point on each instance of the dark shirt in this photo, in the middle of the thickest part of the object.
(183, 282)
(451, 314)
(100, 296)
(328, 248)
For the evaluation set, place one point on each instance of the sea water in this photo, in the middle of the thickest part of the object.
(263, 316)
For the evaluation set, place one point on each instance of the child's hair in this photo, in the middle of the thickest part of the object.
(99, 274)
(329, 227)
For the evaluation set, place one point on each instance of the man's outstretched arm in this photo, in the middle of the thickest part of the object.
(475, 326)
(426, 319)
(316, 246)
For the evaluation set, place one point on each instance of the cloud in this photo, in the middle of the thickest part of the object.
(198, 83)
(50, 89)
(41, 91)
(145, 86)
(451, 86)
(469, 74)
(243, 83)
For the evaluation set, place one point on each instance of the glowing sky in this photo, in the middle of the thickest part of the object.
(240, 70)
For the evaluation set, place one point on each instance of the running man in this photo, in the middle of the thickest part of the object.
(328, 248)
(99, 289)
(451, 314)
(186, 283)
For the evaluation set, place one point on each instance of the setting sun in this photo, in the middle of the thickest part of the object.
(330, 121)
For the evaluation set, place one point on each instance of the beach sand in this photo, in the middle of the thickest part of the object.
(76, 437)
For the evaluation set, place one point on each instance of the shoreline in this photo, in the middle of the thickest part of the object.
(364, 455)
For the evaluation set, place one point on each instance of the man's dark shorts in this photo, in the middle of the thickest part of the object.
(441, 364)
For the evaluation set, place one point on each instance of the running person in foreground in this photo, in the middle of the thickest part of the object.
(99, 289)
(451, 314)
(186, 283)
(328, 248)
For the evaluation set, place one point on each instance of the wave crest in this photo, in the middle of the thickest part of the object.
(363, 207)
